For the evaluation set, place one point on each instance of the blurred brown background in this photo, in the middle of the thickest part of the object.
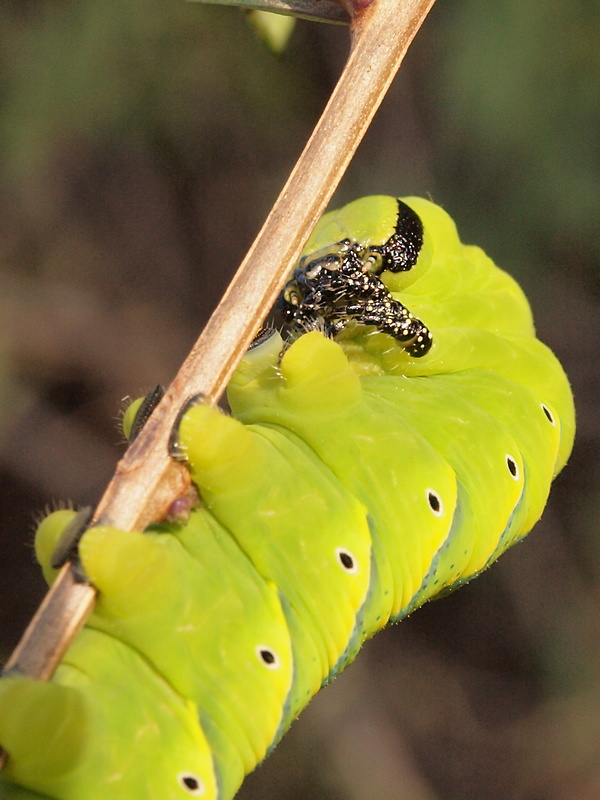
(141, 146)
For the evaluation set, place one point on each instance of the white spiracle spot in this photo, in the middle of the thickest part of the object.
(548, 413)
(346, 560)
(267, 656)
(435, 502)
(191, 784)
(513, 467)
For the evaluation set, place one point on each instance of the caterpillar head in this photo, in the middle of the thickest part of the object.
(340, 279)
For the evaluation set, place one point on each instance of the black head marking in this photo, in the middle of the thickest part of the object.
(401, 251)
(340, 283)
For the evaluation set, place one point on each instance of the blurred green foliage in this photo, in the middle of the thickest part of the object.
(142, 144)
(274, 29)
(521, 82)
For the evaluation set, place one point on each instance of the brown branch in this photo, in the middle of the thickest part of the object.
(317, 10)
(146, 479)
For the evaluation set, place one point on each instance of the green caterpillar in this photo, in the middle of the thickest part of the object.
(405, 438)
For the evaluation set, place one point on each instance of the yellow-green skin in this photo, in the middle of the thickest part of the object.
(352, 483)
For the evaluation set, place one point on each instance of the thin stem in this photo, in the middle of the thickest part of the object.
(315, 10)
(147, 479)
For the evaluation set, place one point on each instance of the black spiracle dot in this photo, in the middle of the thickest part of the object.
(346, 560)
(549, 414)
(191, 784)
(513, 467)
(268, 657)
(435, 502)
